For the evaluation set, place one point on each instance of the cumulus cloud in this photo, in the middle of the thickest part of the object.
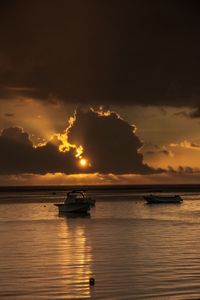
(18, 155)
(108, 143)
(104, 52)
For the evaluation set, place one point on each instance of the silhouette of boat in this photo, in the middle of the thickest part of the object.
(76, 202)
(153, 199)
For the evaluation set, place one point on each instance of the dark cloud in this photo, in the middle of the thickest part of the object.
(151, 149)
(182, 114)
(183, 170)
(17, 155)
(104, 52)
(164, 152)
(195, 145)
(194, 114)
(163, 111)
(150, 152)
(9, 115)
(109, 144)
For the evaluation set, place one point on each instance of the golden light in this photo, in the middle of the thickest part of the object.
(83, 162)
(79, 151)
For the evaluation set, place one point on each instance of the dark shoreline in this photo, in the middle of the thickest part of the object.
(160, 188)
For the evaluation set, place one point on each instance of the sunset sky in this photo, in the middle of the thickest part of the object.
(99, 92)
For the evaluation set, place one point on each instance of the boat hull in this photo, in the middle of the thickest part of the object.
(73, 208)
(163, 200)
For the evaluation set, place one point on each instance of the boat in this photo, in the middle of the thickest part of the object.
(76, 202)
(163, 199)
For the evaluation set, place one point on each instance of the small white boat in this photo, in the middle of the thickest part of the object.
(76, 202)
(163, 199)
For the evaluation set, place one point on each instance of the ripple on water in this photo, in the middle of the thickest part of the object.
(133, 251)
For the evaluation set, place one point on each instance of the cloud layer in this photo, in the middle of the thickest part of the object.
(104, 52)
(109, 144)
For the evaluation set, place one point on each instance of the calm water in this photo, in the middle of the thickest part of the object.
(134, 251)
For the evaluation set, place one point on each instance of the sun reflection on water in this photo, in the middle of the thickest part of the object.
(76, 254)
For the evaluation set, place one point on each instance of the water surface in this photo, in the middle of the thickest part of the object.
(133, 250)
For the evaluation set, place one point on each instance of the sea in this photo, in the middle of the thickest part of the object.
(131, 249)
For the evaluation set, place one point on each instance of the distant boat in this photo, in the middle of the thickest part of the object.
(163, 199)
(76, 202)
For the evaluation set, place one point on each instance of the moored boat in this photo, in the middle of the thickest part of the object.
(163, 199)
(76, 202)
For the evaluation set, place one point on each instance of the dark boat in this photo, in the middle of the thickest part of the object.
(153, 199)
(76, 202)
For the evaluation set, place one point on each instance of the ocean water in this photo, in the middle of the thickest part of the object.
(132, 249)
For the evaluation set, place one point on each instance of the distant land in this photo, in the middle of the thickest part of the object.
(175, 188)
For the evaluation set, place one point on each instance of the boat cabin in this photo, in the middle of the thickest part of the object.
(74, 197)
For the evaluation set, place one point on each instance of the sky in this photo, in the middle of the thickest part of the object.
(99, 92)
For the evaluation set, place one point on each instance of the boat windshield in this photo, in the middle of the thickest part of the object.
(74, 197)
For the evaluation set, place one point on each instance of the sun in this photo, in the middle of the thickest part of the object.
(83, 162)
